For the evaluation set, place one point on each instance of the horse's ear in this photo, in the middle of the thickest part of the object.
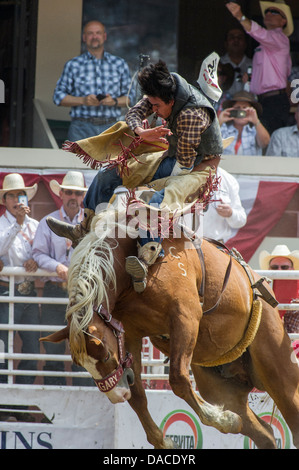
(57, 336)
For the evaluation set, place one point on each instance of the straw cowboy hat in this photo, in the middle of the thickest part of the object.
(73, 180)
(280, 250)
(285, 9)
(15, 182)
(244, 96)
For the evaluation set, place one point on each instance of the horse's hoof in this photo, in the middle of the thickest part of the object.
(233, 422)
(170, 444)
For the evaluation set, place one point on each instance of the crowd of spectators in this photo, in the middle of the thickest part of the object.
(267, 76)
(27, 243)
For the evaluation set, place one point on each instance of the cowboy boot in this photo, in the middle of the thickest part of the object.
(73, 232)
(138, 267)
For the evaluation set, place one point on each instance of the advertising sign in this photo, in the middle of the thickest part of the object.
(183, 428)
(179, 422)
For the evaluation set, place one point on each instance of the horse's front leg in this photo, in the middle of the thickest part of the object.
(138, 401)
(183, 336)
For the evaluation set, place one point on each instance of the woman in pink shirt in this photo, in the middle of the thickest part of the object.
(271, 63)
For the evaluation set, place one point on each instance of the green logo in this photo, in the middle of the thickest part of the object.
(183, 428)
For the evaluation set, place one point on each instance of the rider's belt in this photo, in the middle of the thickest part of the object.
(97, 121)
(208, 160)
(272, 93)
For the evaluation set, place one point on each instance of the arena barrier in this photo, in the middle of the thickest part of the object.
(68, 417)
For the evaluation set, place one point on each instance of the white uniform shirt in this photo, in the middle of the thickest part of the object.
(216, 226)
(16, 241)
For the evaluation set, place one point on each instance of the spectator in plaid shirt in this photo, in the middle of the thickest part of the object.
(95, 72)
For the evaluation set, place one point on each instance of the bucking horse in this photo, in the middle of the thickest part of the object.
(201, 308)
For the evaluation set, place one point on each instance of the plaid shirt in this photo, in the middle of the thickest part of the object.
(291, 321)
(191, 123)
(85, 75)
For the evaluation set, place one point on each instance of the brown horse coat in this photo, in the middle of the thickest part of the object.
(170, 312)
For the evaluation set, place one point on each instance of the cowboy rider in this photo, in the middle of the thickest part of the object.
(192, 131)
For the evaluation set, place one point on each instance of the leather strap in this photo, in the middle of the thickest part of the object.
(203, 270)
(265, 294)
(125, 359)
(225, 281)
(257, 286)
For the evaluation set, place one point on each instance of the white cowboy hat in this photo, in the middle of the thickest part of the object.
(15, 182)
(280, 250)
(282, 6)
(73, 180)
(208, 77)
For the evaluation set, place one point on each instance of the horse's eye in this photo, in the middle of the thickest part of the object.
(107, 357)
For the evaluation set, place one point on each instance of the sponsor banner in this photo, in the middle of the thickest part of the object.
(64, 418)
(257, 194)
(183, 428)
(179, 422)
(85, 419)
(15, 436)
(281, 431)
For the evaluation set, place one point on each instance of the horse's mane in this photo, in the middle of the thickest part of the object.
(91, 275)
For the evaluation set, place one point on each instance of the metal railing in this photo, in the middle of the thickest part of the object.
(11, 356)
(148, 362)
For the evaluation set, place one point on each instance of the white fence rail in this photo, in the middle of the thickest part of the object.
(153, 367)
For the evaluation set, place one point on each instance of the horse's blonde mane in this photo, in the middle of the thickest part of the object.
(91, 275)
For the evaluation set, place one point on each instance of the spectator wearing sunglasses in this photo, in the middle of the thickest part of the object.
(283, 259)
(271, 65)
(53, 253)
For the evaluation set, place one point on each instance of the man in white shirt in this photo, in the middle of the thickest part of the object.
(17, 232)
(226, 213)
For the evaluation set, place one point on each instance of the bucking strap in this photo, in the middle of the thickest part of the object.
(265, 294)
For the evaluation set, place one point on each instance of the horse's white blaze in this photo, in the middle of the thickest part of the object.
(89, 363)
(118, 394)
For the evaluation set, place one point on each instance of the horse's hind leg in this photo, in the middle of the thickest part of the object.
(183, 337)
(274, 370)
(233, 396)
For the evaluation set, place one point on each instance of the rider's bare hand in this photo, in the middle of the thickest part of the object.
(153, 135)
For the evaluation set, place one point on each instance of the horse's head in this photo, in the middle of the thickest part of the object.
(99, 348)
(96, 339)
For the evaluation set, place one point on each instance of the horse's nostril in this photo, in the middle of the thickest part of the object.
(130, 376)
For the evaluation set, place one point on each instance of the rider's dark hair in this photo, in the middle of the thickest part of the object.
(156, 80)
